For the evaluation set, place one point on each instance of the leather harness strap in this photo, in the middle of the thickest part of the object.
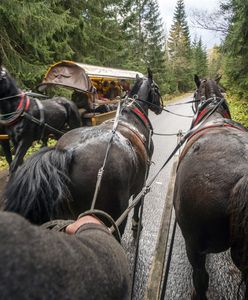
(135, 139)
(21, 108)
(202, 131)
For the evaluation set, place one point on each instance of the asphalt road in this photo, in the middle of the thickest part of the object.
(224, 277)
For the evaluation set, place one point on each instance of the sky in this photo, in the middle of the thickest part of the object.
(167, 8)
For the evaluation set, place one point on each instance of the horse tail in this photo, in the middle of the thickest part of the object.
(40, 189)
(238, 208)
(73, 116)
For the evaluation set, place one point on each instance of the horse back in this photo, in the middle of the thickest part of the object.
(207, 174)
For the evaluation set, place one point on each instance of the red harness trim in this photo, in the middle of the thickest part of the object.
(216, 126)
(140, 114)
(205, 110)
(200, 115)
(21, 108)
(21, 103)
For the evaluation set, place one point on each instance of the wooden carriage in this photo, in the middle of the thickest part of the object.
(86, 79)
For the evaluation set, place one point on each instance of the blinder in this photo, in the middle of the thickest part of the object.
(3, 73)
(156, 96)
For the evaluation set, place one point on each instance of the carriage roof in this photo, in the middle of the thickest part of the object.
(80, 76)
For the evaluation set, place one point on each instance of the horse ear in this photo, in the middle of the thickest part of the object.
(137, 77)
(217, 78)
(149, 72)
(197, 80)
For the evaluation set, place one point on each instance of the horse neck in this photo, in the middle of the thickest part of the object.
(137, 120)
(9, 105)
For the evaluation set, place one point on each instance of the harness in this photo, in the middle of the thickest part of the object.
(215, 124)
(22, 111)
(14, 117)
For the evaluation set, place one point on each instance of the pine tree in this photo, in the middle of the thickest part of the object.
(199, 58)
(179, 49)
(154, 41)
(236, 48)
(32, 35)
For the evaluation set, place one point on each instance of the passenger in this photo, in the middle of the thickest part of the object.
(105, 88)
(83, 262)
(125, 87)
(82, 100)
(114, 91)
(100, 90)
(100, 93)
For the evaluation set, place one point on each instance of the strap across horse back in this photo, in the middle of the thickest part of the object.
(42, 116)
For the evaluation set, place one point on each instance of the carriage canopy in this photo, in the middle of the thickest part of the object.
(82, 76)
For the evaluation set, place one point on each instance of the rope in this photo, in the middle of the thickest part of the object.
(140, 222)
(147, 187)
(36, 121)
(182, 103)
(176, 114)
(101, 170)
(166, 134)
(29, 93)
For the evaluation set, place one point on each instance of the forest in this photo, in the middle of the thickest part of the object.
(125, 34)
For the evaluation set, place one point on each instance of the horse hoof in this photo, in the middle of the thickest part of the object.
(197, 297)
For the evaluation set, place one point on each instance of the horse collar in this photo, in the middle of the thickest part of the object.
(26, 105)
(142, 117)
(22, 107)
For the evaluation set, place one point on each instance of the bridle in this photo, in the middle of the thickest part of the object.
(205, 104)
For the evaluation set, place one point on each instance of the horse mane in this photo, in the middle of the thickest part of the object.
(212, 87)
(136, 86)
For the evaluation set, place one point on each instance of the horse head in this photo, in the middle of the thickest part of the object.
(147, 91)
(208, 91)
(7, 84)
(207, 88)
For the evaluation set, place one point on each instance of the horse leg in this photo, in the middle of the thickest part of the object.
(136, 218)
(7, 151)
(200, 275)
(20, 152)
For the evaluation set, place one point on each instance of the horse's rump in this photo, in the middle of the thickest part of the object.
(215, 161)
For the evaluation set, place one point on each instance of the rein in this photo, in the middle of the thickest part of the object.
(147, 187)
(164, 109)
(16, 115)
(141, 115)
(21, 111)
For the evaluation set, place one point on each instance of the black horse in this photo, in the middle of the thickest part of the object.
(6, 148)
(60, 181)
(26, 119)
(211, 189)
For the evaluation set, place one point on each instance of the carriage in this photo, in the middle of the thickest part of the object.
(88, 82)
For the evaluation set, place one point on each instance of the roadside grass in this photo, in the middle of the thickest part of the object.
(239, 110)
(35, 147)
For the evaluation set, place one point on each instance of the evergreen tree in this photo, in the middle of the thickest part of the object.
(103, 37)
(179, 49)
(154, 52)
(199, 58)
(133, 25)
(236, 48)
(34, 34)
